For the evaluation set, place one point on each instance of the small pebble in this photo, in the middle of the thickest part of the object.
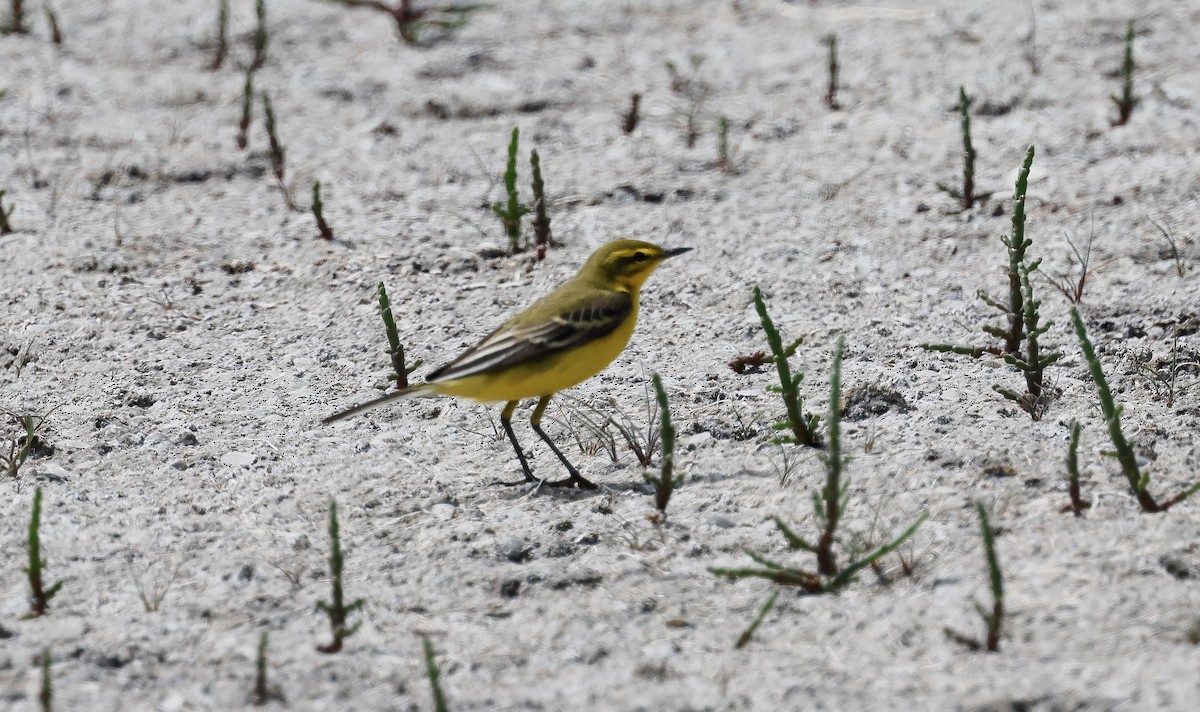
(238, 459)
(720, 521)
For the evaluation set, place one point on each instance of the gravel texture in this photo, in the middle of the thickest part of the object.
(183, 332)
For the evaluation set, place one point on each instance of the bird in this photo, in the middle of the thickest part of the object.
(559, 341)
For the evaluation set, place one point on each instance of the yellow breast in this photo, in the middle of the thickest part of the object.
(547, 375)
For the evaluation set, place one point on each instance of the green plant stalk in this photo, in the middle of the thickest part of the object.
(1112, 418)
(1127, 100)
(400, 371)
(833, 493)
(247, 111)
(829, 503)
(847, 574)
(831, 92)
(666, 483)
(5, 227)
(39, 599)
(630, 120)
(1014, 310)
(260, 35)
(802, 429)
(326, 232)
(410, 21)
(337, 610)
(56, 37)
(808, 581)
(277, 153)
(995, 619)
(968, 190)
(541, 222)
(748, 634)
(1016, 258)
(1077, 504)
(1033, 364)
(1139, 482)
(723, 161)
(512, 212)
(18, 450)
(434, 675)
(16, 19)
(261, 693)
(46, 695)
(23, 452)
(222, 36)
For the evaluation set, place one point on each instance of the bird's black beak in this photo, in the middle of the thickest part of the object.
(675, 251)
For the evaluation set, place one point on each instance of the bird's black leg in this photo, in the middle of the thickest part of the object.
(506, 422)
(575, 480)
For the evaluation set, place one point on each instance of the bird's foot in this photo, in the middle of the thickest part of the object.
(529, 480)
(575, 480)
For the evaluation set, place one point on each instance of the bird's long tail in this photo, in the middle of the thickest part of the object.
(424, 389)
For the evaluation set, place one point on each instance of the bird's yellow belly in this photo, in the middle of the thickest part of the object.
(547, 375)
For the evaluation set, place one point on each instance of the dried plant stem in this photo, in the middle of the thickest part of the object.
(1172, 246)
(1073, 290)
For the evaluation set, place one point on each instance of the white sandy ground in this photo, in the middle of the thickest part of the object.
(184, 400)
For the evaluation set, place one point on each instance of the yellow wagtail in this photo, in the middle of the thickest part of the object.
(563, 339)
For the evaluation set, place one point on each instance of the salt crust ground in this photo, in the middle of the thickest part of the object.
(185, 399)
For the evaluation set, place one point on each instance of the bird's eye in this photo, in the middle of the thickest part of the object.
(640, 256)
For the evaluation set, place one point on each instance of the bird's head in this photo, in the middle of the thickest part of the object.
(625, 264)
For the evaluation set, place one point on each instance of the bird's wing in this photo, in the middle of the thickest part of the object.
(591, 315)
